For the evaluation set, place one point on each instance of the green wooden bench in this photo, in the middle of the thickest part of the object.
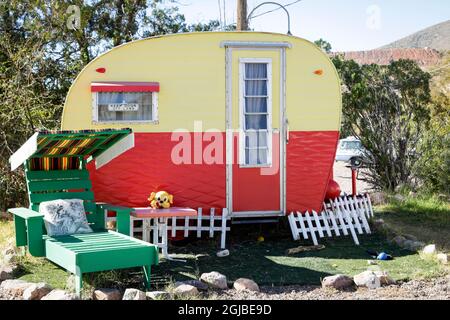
(79, 253)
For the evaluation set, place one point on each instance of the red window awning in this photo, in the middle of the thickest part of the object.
(119, 86)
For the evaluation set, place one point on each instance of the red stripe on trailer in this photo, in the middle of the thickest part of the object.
(131, 177)
(116, 86)
(309, 164)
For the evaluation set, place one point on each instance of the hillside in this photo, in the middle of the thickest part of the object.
(423, 57)
(436, 37)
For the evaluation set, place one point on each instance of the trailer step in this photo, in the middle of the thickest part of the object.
(254, 221)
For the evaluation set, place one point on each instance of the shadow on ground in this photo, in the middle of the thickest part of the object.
(267, 263)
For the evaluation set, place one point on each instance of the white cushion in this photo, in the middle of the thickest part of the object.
(64, 217)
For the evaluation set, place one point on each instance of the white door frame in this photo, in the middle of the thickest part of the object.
(238, 45)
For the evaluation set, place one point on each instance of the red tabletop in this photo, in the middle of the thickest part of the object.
(148, 212)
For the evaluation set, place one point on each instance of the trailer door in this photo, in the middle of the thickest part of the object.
(255, 115)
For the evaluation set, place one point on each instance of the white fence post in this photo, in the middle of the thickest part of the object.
(346, 214)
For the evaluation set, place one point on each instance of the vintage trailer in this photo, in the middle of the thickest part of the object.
(247, 121)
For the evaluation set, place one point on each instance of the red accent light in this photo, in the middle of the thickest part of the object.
(318, 72)
(101, 70)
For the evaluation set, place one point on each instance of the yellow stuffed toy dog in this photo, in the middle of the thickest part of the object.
(160, 199)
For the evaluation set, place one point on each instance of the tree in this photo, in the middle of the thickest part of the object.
(324, 45)
(387, 108)
(43, 46)
(433, 167)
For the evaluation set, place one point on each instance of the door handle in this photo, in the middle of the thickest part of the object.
(287, 131)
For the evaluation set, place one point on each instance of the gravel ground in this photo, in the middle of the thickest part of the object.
(343, 176)
(434, 289)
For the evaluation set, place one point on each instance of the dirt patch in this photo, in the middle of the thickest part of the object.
(435, 289)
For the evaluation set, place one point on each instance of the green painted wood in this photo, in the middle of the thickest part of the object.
(116, 259)
(147, 276)
(25, 213)
(57, 174)
(34, 186)
(60, 255)
(21, 231)
(61, 251)
(90, 206)
(80, 253)
(123, 221)
(48, 196)
(35, 240)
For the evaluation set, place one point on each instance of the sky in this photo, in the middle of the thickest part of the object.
(347, 24)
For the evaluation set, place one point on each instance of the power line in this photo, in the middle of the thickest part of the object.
(286, 5)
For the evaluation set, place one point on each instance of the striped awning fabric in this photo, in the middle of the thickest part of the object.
(53, 150)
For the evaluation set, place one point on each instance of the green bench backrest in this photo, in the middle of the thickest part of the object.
(63, 184)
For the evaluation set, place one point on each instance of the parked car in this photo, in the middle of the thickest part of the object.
(350, 150)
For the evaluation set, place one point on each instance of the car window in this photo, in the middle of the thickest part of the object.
(348, 145)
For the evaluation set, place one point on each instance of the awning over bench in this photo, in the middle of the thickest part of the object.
(53, 150)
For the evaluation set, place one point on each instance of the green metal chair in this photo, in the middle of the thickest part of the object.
(78, 253)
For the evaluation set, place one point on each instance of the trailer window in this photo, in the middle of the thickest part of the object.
(256, 112)
(125, 106)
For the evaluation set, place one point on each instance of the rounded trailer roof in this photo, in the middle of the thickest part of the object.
(190, 69)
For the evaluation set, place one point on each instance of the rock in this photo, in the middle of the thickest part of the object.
(416, 246)
(399, 197)
(59, 294)
(134, 294)
(378, 222)
(378, 198)
(410, 237)
(339, 282)
(443, 258)
(223, 253)
(429, 249)
(413, 245)
(9, 259)
(158, 295)
(70, 283)
(367, 279)
(244, 284)
(215, 280)
(14, 288)
(398, 240)
(36, 291)
(106, 294)
(371, 262)
(185, 291)
(7, 272)
(196, 283)
(10, 250)
(384, 277)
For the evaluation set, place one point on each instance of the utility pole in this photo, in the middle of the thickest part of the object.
(242, 23)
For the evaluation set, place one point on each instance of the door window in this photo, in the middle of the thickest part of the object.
(255, 98)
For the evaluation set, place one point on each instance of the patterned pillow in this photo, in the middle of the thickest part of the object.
(64, 217)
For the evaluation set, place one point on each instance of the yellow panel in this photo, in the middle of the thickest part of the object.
(191, 71)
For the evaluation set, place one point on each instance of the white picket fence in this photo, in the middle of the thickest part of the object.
(209, 223)
(343, 215)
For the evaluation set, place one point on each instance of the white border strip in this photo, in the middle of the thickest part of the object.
(115, 150)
